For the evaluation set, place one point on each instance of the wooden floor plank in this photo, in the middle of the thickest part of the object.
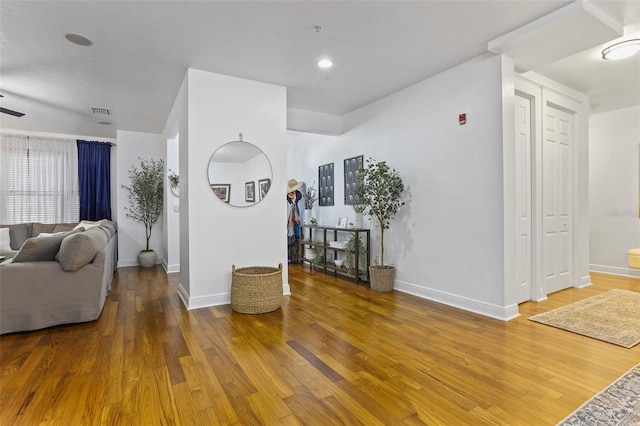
(335, 353)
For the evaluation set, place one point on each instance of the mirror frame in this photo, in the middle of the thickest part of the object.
(247, 182)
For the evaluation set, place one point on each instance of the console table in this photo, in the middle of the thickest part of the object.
(324, 238)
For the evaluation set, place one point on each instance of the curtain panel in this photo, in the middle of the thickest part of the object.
(38, 179)
(94, 174)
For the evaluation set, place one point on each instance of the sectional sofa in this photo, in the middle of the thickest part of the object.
(55, 273)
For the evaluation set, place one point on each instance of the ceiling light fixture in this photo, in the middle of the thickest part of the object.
(78, 39)
(325, 63)
(621, 50)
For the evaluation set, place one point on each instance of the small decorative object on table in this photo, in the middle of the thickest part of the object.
(256, 289)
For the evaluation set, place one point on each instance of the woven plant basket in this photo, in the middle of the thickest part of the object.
(381, 278)
(256, 289)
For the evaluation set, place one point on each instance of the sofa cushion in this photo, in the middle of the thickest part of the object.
(80, 248)
(50, 228)
(19, 234)
(109, 227)
(86, 224)
(5, 239)
(40, 249)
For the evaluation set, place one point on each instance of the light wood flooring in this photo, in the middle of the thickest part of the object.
(335, 353)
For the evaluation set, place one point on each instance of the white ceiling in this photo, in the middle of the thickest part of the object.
(141, 50)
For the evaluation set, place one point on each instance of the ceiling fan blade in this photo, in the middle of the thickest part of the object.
(11, 112)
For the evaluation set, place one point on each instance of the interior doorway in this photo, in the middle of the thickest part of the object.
(548, 127)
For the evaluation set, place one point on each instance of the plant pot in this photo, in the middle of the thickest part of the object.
(359, 220)
(381, 278)
(147, 258)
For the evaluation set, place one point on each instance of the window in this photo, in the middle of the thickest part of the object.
(38, 179)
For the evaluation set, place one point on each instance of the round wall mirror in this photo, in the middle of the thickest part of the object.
(239, 174)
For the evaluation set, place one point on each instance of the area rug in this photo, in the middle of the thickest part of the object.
(613, 316)
(618, 404)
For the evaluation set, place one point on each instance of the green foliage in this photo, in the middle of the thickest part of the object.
(146, 193)
(350, 251)
(380, 188)
(319, 260)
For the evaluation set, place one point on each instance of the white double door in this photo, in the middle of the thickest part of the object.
(557, 199)
(553, 232)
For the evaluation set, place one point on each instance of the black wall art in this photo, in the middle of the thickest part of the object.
(325, 185)
(351, 172)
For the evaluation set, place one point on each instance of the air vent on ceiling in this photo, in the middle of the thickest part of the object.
(100, 111)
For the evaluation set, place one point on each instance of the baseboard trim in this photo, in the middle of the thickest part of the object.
(503, 313)
(170, 269)
(213, 299)
(133, 262)
(615, 270)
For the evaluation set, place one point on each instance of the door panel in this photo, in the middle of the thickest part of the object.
(557, 199)
(523, 199)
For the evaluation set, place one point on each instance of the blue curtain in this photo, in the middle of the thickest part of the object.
(94, 173)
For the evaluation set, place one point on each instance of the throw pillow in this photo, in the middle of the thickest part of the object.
(19, 234)
(86, 224)
(5, 239)
(46, 234)
(79, 249)
(40, 249)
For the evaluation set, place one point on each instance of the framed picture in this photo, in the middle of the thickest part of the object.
(263, 187)
(351, 172)
(325, 185)
(342, 222)
(250, 192)
(222, 190)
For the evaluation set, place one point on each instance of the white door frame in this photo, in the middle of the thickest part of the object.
(542, 91)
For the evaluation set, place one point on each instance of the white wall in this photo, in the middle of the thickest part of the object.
(131, 234)
(447, 244)
(178, 124)
(219, 235)
(614, 145)
(171, 242)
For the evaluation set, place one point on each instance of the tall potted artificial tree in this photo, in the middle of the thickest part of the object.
(146, 198)
(380, 189)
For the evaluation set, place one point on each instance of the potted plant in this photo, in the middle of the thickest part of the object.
(350, 257)
(359, 209)
(146, 198)
(310, 197)
(380, 189)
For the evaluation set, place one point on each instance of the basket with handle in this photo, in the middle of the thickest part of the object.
(256, 289)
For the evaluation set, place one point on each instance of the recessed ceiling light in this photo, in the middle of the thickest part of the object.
(78, 39)
(325, 63)
(621, 50)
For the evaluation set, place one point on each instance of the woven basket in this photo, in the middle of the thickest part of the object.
(381, 278)
(256, 289)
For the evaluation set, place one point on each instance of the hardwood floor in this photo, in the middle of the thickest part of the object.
(336, 353)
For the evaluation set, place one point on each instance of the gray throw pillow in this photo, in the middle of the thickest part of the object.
(19, 234)
(80, 248)
(41, 249)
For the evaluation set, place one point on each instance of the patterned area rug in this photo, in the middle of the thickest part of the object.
(613, 316)
(618, 404)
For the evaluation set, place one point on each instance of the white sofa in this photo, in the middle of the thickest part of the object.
(58, 278)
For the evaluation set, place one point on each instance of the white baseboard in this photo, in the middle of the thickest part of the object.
(124, 263)
(212, 299)
(170, 269)
(503, 313)
(615, 270)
